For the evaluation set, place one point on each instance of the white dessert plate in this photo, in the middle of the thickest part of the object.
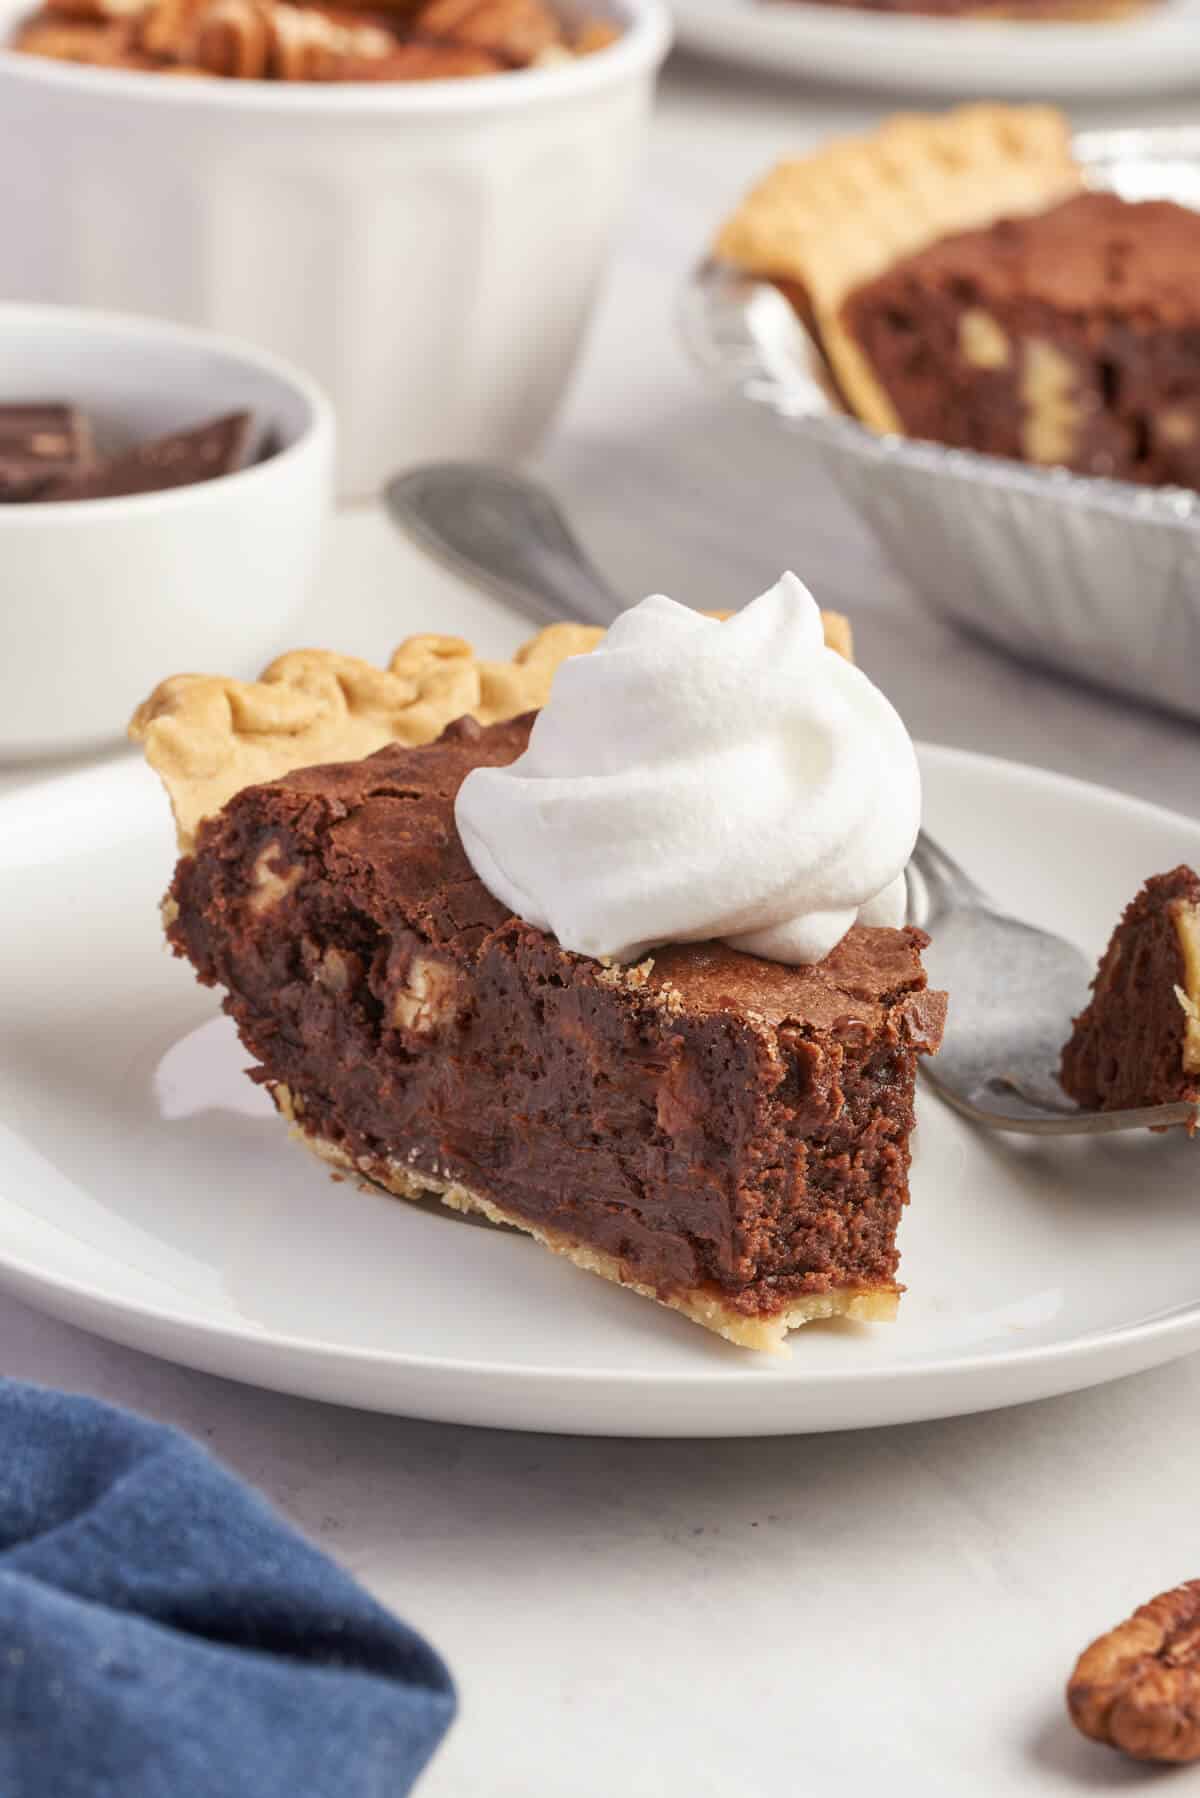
(1156, 54)
(149, 1193)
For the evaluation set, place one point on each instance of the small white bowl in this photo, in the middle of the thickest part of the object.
(429, 251)
(100, 598)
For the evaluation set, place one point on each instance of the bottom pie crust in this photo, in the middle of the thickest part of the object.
(767, 1335)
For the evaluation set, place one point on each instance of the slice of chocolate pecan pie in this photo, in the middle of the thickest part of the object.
(968, 288)
(1138, 1040)
(724, 1134)
(727, 1135)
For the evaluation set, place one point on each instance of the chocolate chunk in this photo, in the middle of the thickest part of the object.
(40, 444)
(180, 460)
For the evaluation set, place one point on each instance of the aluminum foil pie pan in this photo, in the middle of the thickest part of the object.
(1098, 578)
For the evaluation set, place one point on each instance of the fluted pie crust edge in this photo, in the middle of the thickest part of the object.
(208, 736)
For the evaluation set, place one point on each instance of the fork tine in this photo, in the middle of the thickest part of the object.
(1036, 1122)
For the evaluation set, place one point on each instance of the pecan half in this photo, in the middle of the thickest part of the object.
(167, 28)
(424, 62)
(593, 35)
(1138, 1688)
(518, 30)
(102, 44)
(233, 38)
(93, 9)
(307, 45)
(258, 40)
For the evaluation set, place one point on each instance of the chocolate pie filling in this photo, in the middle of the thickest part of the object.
(711, 1122)
(1138, 1040)
(1069, 337)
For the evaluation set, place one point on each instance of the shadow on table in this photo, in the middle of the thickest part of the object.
(1059, 1752)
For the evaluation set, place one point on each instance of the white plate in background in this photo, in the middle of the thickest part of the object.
(148, 1191)
(955, 58)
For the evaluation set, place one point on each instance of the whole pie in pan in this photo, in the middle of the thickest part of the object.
(966, 286)
(724, 1134)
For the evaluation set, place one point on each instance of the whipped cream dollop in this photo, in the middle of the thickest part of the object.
(691, 779)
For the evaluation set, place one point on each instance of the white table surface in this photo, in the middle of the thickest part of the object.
(896, 1609)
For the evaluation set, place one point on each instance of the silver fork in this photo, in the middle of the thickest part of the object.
(1013, 988)
(1013, 992)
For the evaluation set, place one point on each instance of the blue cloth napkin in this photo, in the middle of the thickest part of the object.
(163, 1634)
